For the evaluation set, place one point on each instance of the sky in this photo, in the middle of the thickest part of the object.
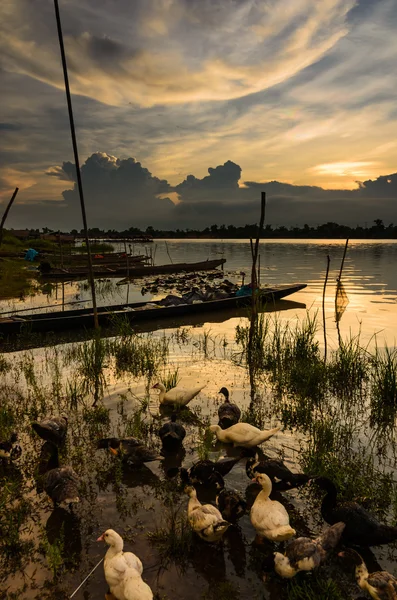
(186, 110)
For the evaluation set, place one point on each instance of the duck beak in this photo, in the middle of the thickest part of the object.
(114, 451)
(254, 479)
(101, 538)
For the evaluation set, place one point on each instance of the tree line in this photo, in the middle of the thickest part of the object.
(330, 230)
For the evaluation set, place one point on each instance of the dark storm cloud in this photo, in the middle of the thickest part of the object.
(117, 192)
(121, 193)
(222, 179)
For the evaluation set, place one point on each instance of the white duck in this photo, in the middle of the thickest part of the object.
(269, 517)
(123, 570)
(243, 434)
(205, 519)
(176, 396)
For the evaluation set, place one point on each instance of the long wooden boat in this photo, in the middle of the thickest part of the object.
(80, 269)
(134, 313)
(97, 259)
(134, 271)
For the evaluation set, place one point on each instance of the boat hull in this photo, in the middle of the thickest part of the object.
(83, 318)
(136, 271)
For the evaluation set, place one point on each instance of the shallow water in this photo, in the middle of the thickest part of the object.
(137, 504)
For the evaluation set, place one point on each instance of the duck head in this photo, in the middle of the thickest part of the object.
(351, 558)
(225, 392)
(158, 386)
(190, 491)
(214, 428)
(282, 566)
(325, 484)
(264, 481)
(216, 480)
(112, 539)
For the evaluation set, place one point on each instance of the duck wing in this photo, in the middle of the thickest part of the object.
(331, 536)
(225, 465)
(304, 554)
(282, 477)
(203, 516)
(201, 471)
(61, 484)
(240, 433)
(133, 562)
(181, 396)
(134, 588)
(385, 585)
(138, 455)
(362, 528)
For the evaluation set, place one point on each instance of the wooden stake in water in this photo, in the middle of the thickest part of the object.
(325, 286)
(343, 262)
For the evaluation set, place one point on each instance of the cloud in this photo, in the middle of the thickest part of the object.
(297, 92)
(172, 51)
(117, 192)
(121, 193)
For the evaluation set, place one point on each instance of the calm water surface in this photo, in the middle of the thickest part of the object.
(369, 278)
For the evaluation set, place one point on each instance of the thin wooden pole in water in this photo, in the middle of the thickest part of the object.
(255, 298)
(325, 331)
(343, 262)
(7, 210)
(77, 162)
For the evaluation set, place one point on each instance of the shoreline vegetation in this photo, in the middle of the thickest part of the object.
(324, 405)
(331, 230)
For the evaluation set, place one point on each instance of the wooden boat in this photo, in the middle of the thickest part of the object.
(135, 313)
(97, 259)
(134, 271)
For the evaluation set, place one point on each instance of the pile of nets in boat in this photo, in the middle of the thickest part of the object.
(226, 289)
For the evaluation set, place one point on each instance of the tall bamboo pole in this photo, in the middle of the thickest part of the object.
(76, 161)
(7, 210)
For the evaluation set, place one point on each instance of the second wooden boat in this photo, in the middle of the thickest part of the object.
(133, 270)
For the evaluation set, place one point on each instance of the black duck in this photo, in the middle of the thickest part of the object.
(362, 529)
(61, 484)
(280, 475)
(229, 414)
(202, 472)
(172, 435)
(132, 452)
(231, 505)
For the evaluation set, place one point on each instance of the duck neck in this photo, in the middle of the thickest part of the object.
(219, 433)
(193, 501)
(266, 489)
(115, 548)
(329, 502)
(361, 575)
(162, 392)
(49, 458)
